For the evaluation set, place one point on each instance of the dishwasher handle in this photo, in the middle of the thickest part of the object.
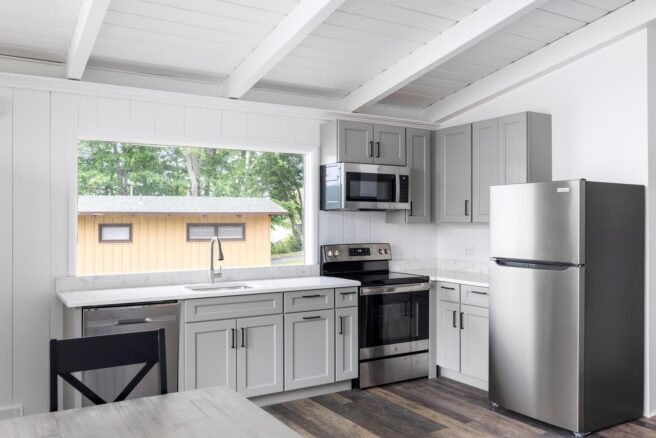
(131, 321)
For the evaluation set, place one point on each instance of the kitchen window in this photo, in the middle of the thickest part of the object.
(115, 233)
(204, 232)
(169, 201)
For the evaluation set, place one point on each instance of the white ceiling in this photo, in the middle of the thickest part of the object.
(208, 39)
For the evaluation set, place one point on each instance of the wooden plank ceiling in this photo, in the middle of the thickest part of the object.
(209, 39)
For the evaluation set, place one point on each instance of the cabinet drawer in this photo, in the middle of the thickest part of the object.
(475, 296)
(302, 300)
(448, 291)
(346, 297)
(207, 309)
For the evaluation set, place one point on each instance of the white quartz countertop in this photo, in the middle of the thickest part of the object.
(104, 297)
(454, 276)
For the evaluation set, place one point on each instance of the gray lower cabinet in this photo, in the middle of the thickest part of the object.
(309, 349)
(210, 354)
(346, 343)
(474, 341)
(462, 341)
(448, 335)
(260, 355)
(454, 174)
(244, 354)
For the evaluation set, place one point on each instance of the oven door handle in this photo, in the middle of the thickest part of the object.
(380, 290)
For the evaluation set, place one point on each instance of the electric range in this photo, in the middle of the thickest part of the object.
(393, 312)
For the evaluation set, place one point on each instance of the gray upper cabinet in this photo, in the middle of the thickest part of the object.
(454, 163)
(512, 149)
(356, 142)
(363, 143)
(485, 169)
(419, 161)
(389, 145)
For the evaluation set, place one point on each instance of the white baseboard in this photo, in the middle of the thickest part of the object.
(314, 391)
(462, 378)
(11, 412)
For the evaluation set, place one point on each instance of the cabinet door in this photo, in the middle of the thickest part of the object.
(474, 341)
(389, 145)
(513, 149)
(259, 355)
(485, 167)
(346, 343)
(419, 160)
(454, 178)
(210, 354)
(355, 143)
(309, 349)
(448, 335)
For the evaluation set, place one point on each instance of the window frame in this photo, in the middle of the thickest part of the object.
(103, 225)
(216, 226)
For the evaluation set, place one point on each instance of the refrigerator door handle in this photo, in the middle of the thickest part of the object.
(530, 264)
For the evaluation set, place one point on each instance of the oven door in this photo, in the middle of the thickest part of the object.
(393, 320)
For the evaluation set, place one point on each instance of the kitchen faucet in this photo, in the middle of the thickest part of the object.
(214, 275)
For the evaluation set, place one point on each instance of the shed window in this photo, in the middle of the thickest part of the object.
(115, 233)
(196, 232)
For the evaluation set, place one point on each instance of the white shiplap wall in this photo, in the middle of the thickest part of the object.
(40, 122)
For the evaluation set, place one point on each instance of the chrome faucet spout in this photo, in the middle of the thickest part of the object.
(214, 274)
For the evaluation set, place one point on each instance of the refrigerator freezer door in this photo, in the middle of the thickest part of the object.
(535, 341)
(538, 221)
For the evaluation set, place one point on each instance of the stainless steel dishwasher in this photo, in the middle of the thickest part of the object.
(109, 382)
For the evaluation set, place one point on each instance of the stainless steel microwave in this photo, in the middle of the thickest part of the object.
(350, 186)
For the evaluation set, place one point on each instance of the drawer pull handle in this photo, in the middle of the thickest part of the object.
(311, 296)
(233, 335)
(341, 325)
(447, 288)
(478, 292)
(348, 293)
(243, 337)
(312, 317)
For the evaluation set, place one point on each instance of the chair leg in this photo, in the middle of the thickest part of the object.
(54, 396)
(162, 362)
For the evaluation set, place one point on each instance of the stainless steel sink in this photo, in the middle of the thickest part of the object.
(219, 287)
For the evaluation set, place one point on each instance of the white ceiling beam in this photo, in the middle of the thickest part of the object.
(291, 30)
(92, 14)
(598, 34)
(470, 30)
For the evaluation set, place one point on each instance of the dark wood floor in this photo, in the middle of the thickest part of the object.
(435, 408)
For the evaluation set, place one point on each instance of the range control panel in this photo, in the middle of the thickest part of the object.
(356, 251)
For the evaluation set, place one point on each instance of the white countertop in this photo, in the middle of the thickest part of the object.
(104, 297)
(453, 276)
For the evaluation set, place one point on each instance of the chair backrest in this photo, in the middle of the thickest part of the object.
(85, 354)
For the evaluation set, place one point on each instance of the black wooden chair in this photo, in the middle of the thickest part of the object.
(84, 354)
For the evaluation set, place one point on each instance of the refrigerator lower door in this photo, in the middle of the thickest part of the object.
(536, 341)
(538, 221)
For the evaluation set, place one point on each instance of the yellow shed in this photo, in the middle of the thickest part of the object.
(122, 234)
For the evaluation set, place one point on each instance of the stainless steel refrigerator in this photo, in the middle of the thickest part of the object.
(567, 302)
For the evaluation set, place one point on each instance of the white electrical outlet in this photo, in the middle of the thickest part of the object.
(469, 251)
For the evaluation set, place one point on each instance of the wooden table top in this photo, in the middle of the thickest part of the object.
(209, 412)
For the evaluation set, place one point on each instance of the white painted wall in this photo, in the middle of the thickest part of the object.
(408, 241)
